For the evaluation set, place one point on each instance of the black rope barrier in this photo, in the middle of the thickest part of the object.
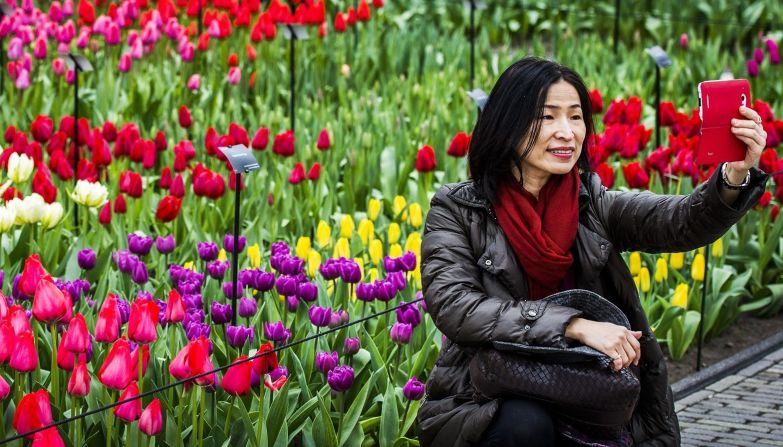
(197, 376)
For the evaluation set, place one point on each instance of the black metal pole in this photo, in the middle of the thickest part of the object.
(292, 67)
(657, 106)
(235, 251)
(616, 24)
(75, 138)
(472, 43)
(703, 306)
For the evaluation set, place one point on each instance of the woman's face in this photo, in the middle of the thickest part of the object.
(559, 142)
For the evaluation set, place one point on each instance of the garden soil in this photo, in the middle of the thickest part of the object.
(745, 332)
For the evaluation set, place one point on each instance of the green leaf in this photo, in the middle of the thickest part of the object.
(323, 430)
(351, 417)
(301, 414)
(390, 419)
(276, 416)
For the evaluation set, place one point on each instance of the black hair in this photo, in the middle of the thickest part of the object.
(511, 114)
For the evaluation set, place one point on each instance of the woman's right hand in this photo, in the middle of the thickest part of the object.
(619, 343)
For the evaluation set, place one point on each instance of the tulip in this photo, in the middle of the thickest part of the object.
(194, 82)
(408, 313)
(32, 412)
(324, 142)
(350, 272)
(661, 270)
(207, 251)
(676, 260)
(199, 362)
(145, 358)
(351, 345)
(7, 218)
(165, 244)
(20, 167)
(139, 274)
(24, 357)
(237, 336)
(129, 411)
(644, 279)
(265, 360)
(680, 298)
(104, 216)
(175, 307)
(77, 338)
(340, 378)
(86, 259)
(228, 243)
(79, 383)
(32, 273)
(107, 326)
(49, 304)
(117, 371)
(276, 332)
(284, 144)
(168, 208)
(5, 389)
(151, 420)
(143, 321)
(247, 307)
(234, 75)
(7, 340)
(425, 159)
(185, 120)
(339, 23)
(307, 291)
(684, 41)
(23, 80)
(401, 333)
(221, 313)
(236, 381)
(325, 361)
(717, 248)
(415, 218)
(89, 194)
(323, 234)
(139, 244)
(413, 389)
(697, 267)
(459, 145)
(635, 263)
(319, 316)
(753, 68)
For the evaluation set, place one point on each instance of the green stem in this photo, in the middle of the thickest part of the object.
(179, 416)
(260, 415)
(201, 420)
(228, 415)
(53, 366)
(109, 423)
(194, 415)
(172, 347)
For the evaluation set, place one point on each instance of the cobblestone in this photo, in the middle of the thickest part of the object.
(743, 409)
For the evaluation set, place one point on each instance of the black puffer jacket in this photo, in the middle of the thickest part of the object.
(475, 291)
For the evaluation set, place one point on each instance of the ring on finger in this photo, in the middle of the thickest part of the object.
(616, 357)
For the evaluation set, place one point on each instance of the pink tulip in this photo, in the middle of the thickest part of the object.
(99, 27)
(137, 50)
(125, 63)
(772, 49)
(194, 82)
(16, 48)
(214, 29)
(58, 67)
(56, 12)
(187, 52)
(24, 358)
(143, 321)
(7, 339)
(79, 383)
(150, 35)
(684, 41)
(84, 39)
(129, 411)
(62, 48)
(49, 303)
(27, 6)
(234, 75)
(151, 421)
(76, 338)
(66, 359)
(18, 319)
(47, 438)
(68, 7)
(70, 77)
(175, 308)
(117, 371)
(40, 48)
(112, 34)
(5, 390)
(107, 326)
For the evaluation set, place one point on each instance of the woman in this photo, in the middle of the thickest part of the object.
(534, 221)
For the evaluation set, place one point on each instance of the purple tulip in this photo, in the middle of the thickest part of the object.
(390, 264)
(217, 269)
(264, 281)
(401, 333)
(247, 307)
(228, 243)
(351, 346)
(772, 49)
(286, 285)
(276, 261)
(165, 244)
(280, 248)
(330, 269)
(422, 303)
(189, 287)
(409, 314)
(86, 259)
(139, 275)
(350, 272)
(365, 292)
(124, 307)
(384, 290)
(16, 293)
(320, 316)
(292, 266)
(292, 302)
(758, 55)
(338, 318)
(325, 361)
(196, 330)
(397, 279)
(125, 260)
(228, 289)
(307, 291)
(193, 316)
(408, 261)
(237, 336)
(276, 332)
(139, 245)
(278, 372)
(221, 313)
(753, 68)
(413, 390)
(340, 378)
(207, 251)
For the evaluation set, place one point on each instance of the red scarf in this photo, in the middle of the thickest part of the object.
(542, 231)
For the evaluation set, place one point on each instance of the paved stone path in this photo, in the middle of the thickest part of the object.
(744, 409)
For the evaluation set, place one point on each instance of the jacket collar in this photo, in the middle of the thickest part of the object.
(467, 194)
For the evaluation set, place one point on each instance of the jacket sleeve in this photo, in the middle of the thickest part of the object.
(456, 298)
(655, 223)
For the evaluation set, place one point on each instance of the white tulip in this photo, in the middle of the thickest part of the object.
(7, 218)
(31, 209)
(20, 167)
(53, 212)
(90, 194)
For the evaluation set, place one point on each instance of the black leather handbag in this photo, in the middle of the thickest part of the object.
(576, 382)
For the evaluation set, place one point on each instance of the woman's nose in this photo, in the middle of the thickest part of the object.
(564, 130)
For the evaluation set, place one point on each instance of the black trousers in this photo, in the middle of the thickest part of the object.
(522, 422)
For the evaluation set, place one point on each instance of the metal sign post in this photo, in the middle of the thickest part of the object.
(661, 60)
(78, 64)
(293, 33)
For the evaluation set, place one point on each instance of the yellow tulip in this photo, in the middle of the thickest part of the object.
(635, 262)
(661, 270)
(222, 255)
(676, 260)
(313, 262)
(346, 226)
(342, 249)
(636, 281)
(417, 276)
(323, 234)
(372, 274)
(415, 218)
(413, 243)
(395, 251)
(366, 231)
(697, 267)
(360, 263)
(373, 208)
(189, 265)
(303, 247)
(680, 298)
(254, 254)
(700, 250)
(717, 248)
(398, 204)
(394, 233)
(644, 279)
(376, 251)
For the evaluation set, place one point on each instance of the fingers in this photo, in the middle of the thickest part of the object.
(637, 349)
(756, 135)
(750, 114)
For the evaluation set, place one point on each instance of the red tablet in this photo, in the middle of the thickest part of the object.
(719, 102)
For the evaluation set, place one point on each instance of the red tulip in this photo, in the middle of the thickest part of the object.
(199, 362)
(233, 60)
(596, 101)
(297, 175)
(104, 216)
(42, 184)
(284, 144)
(175, 308)
(168, 209)
(179, 368)
(377, 3)
(18, 319)
(265, 363)
(250, 52)
(67, 359)
(143, 322)
(7, 340)
(351, 16)
(315, 172)
(239, 134)
(277, 384)
(24, 357)
(77, 338)
(33, 411)
(47, 438)
(425, 159)
(33, 272)
(120, 206)
(668, 114)
(765, 200)
(459, 145)
(151, 421)
(339, 22)
(101, 155)
(773, 214)
(633, 110)
(614, 114)
(109, 132)
(149, 155)
(107, 326)
(145, 359)
(236, 381)
(185, 120)
(261, 139)
(165, 178)
(86, 12)
(324, 141)
(635, 176)
(48, 302)
(363, 11)
(129, 411)
(10, 133)
(79, 383)
(117, 371)
(41, 128)
(130, 183)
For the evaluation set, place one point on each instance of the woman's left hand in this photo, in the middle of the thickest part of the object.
(751, 132)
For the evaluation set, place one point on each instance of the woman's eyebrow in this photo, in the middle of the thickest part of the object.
(572, 106)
